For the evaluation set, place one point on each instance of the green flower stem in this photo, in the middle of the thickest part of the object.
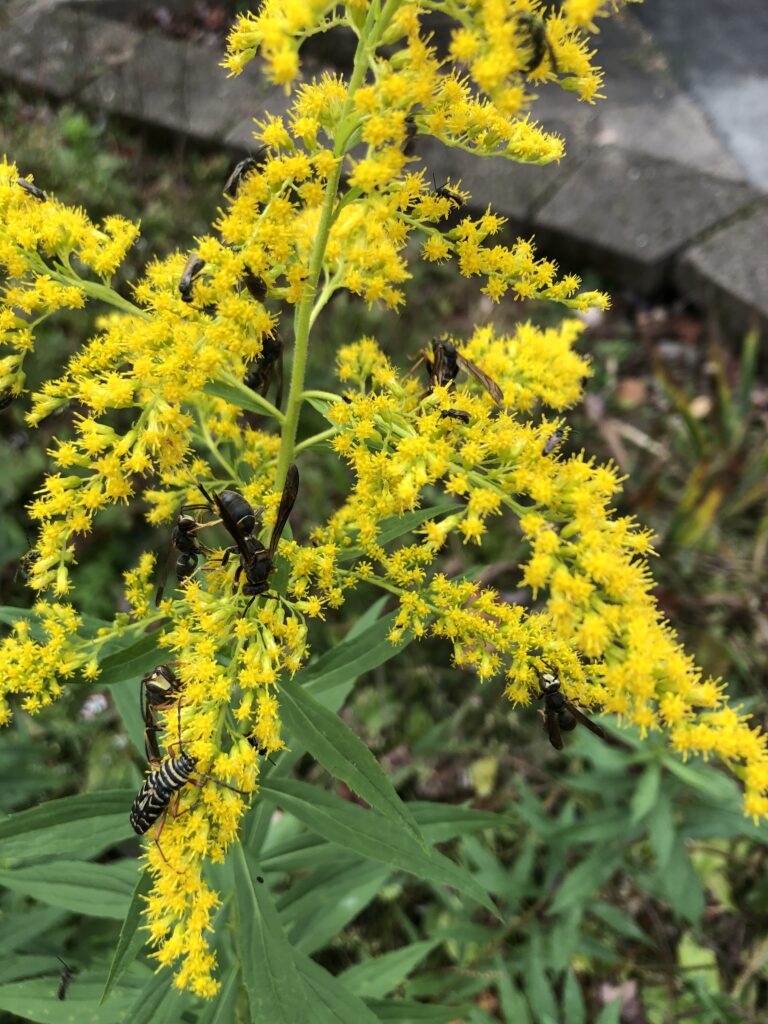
(374, 25)
(324, 435)
(102, 292)
(326, 396)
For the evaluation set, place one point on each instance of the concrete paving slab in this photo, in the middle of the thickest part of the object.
(718, 49)
(727, 273)
(632, 213)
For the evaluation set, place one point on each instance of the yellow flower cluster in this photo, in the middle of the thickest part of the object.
(226, 717)
(161, 387)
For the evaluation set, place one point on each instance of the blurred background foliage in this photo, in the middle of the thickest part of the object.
(630, 887)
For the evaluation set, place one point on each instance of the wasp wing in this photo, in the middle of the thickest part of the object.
(553, 727)
(487, 382)
(287, 501)
(586, 721)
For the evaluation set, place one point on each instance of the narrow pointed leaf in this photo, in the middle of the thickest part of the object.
(73, 826)
(131, 939)
(96, 890)
(343, 754)
(376, 977)
(370, 835)
(276, 992)
(337, 1005)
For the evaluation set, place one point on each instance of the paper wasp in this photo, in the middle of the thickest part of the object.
(239, 519)
(540, 44)
(258, 376)
(32, 190)
(560, 714)
(444, 364)
(65, 978)
(191, 270)
(159, 688)
(242, 170)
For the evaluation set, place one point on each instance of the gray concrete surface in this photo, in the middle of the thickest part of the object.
(665, 179)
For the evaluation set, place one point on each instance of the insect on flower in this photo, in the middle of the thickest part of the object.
(6, 397)
(239, 519)
(242, 170)
(455, 414)
(32, 190)
(160, 786)
(157, 692)
(552, 442)
(446, 192)
(540, 44)
(191, 270)
(444, 364)
(410, 135)
(185, 545)
(258, 377)
(560, 714)
(65, 978)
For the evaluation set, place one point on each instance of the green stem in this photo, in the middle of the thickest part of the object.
(326, 396)
(99, 291)
(316, 439)
(371, 32)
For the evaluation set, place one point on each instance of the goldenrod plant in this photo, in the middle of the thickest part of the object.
(441, 443)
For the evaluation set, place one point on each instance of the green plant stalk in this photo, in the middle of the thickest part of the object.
(372, 30)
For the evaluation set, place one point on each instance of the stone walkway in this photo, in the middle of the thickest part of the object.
(665, 180)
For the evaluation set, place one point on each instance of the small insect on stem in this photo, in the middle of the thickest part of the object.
(32, 190)
(65, 978)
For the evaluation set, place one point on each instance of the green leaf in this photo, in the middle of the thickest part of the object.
(537, 986)
(645, 796)
(36, 1000)
(573, 1000)
(370, 835)
(402, 1012)
(619, 921)
(276, 992)
(131, 939)
(75, 826)
(397, 526)
(222, 1009)
(441, 822)
(133, 661)
(343, 754)
(18, 932)
(377, 977)
(234, 396)
(662, 830)
(513, 1004)
(339, 1004)
(682, 885)
(584, 880)
(22, 966)
(320, 905)
(96, 890)
(160, 1002)
(332, 676)
(611, 1014)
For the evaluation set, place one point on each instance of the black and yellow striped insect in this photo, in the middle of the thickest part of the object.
(158, 789)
